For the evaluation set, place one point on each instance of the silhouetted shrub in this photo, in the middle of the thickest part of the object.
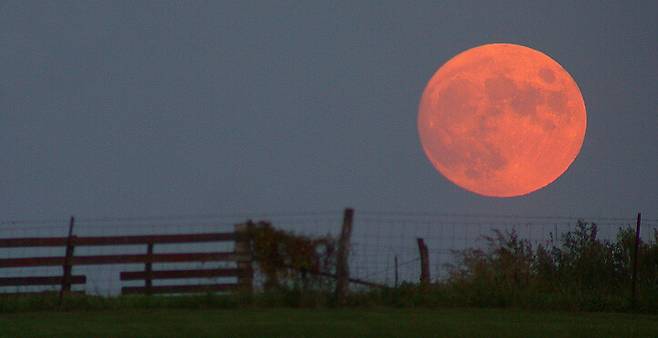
(579, 272)
(288, 260)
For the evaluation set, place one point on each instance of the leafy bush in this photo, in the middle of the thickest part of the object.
(580, 272)
(288, 260)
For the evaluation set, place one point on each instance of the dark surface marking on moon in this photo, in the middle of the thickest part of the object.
(526, 102)
(500, 88)
(547, 75)
(557, 102)
(456, 103)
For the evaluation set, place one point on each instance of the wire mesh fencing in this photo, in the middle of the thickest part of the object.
(382, 238)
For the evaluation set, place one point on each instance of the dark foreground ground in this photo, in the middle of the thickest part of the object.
(284, 322)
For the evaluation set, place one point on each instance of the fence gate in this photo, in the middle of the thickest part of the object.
(241, 255)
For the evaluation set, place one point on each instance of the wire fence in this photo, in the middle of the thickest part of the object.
(379, 240)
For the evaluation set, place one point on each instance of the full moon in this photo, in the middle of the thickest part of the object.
(501, 120)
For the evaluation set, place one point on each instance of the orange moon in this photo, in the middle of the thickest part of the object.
(502, 120)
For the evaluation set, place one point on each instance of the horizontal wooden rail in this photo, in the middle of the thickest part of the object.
(178, 288)
(116, 240)
(39, 293)
(32, 242)
(50, 280)
(123, 259)
(178, 274)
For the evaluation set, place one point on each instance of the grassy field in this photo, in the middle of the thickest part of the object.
(286, 322)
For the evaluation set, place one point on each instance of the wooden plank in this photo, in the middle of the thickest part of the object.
(32, 242)
(31, 261)
(38, 293)
(179, 288)
(122, 259)
(117, 240)
(156, 239)
(178, 274)
(49, 280)
(155, 258)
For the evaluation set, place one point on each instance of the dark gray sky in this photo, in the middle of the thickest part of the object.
(131, 108)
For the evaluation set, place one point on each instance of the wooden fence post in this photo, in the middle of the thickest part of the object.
(635, 252)
(67, 266)
(148, 270)
(244, 256)
(342, 267)
(424, 263)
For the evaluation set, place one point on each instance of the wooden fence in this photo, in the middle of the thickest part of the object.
(241, 255)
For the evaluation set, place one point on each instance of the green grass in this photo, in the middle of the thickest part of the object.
(354, 322)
